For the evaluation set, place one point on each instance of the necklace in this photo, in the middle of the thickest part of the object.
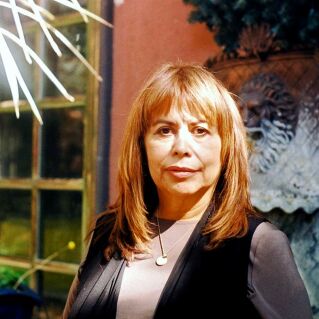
(163, 258)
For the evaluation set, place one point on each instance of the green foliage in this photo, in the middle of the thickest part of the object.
(9, 276)
(294, 23)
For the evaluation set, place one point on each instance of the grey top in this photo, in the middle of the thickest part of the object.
(275, 286)
(143, 281)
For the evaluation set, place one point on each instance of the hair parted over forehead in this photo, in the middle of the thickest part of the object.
(186, 87)
(190, 88)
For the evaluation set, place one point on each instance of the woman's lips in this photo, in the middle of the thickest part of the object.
(181, 172)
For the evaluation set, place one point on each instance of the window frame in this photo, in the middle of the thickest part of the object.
(89, 102)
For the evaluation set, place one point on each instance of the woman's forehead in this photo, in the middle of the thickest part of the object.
(175, 113)
(184, 111)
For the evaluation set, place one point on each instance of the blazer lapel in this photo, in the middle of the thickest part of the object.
(181, 262)
(94, 279)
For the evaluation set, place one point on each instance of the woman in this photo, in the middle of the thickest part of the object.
(182, 239)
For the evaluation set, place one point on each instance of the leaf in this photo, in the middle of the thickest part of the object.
(8, 277)
(294, 22)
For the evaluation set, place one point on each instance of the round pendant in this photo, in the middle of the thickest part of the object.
(161, 260)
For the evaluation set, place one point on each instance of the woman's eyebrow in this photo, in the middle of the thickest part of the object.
(190, 122)
(163, 121)
(198, 122)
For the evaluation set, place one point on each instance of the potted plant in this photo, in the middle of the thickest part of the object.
(262, 36)
(280, 25)
(17, 300)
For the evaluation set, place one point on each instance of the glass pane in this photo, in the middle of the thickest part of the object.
(15, 223)
(62, 143)
(68, 68)
(54, 289)
(24, 67)
(15, 145)
(58, 8)
(60, 222)
(6, 17)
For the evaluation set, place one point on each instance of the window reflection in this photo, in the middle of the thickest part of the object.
(15, 145)
(15, 223)
(62, 143)
(68, 68)
(24, 67)
(60, 222)
(6, 17)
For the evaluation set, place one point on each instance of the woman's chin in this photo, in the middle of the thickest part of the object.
(184, 190)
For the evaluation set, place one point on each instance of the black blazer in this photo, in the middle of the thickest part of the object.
(202, 281)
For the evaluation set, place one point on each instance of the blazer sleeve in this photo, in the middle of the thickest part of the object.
(91, 250)
(274, 283)
(71, 297)
(73, 291)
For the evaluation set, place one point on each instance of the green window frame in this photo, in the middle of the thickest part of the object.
(41, 188)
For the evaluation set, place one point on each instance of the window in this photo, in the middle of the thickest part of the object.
(48, 172)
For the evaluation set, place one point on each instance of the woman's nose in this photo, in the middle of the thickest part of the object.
(181, 145)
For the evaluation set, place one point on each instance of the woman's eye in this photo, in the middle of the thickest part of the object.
(200, 131)
(164, 131)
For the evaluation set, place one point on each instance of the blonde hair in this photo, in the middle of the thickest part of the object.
(193, 87)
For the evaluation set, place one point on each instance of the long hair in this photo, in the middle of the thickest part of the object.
(185, 86)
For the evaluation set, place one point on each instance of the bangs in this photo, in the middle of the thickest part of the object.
(184, 98)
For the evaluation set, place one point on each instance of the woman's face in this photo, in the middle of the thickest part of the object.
(183, 153)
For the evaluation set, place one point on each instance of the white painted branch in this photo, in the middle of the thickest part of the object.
(44, 28)
(80, 9)
(19, 28)
(8, 62)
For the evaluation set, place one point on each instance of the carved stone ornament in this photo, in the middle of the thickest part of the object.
(279, 101)
(284, 138)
